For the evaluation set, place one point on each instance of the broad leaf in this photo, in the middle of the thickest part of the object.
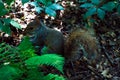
(45, 2)
(7, 21)
(118, 9)
(50, 11)
(15, 24)
(109, 6)
(24, 1)
(95, 2)
(3, 11)
(38, 9)
(90, 12)
(56, 1)
(6, 29)
(87, 5)
(101, 13)
(1, 5)
(9, 1)
(56, 7)
(82, 0)
(1, 26)
(42, 1)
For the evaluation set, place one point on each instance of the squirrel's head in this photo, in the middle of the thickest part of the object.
(32, 26)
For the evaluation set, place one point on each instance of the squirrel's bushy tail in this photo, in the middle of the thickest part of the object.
(81, 40)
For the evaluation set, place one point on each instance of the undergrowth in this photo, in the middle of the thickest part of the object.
(21, 63)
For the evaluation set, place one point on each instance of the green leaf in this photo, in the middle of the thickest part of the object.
(9, 73)
(50, 11)
(38, 9)
(45, 2)
(3, 11)
(54, 77)
(15, 24)
(90, 12)
(82, 0)
(1, 6)
(118, 9)
(87, 5)
(56, 1)
(24, 1)
(42, 1)
(6, 29)
(56, 7)
(6, 21)
(101, 13)
(34, 74)
(25, 44)
(1, 26)
(47, 59)
(35, 3)
(9, 1)
(108, 6)
(44, 50)
(95, 1)
(6, 26)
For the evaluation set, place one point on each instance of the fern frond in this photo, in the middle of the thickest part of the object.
(8, 53)
(26, 48)
(9, 73)
(47, 59)
(25, 44)
(34, 74)
(54, 77)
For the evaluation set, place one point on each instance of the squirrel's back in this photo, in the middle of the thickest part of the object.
(81, 41)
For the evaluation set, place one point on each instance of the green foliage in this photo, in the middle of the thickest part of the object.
(54, 77)
(44, 50)
(8, 53)
(5, 25)
(9, 2)
(118, 9)
(47, 59)
(109, 6)
(96, 7)
(24, 1)
(6, 22)
(25, 44)
(3, 10)
(9, 73)
(34, 74)
(21, 63)
(47, 5)
(26, 48)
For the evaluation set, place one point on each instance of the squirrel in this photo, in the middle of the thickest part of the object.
(45, 36)
(71, 47)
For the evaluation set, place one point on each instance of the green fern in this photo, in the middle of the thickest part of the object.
(47, 59)
(9, 73)
(12, 62)
(34, 74)
(8, 53)
(54, 77)
(26, 48)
